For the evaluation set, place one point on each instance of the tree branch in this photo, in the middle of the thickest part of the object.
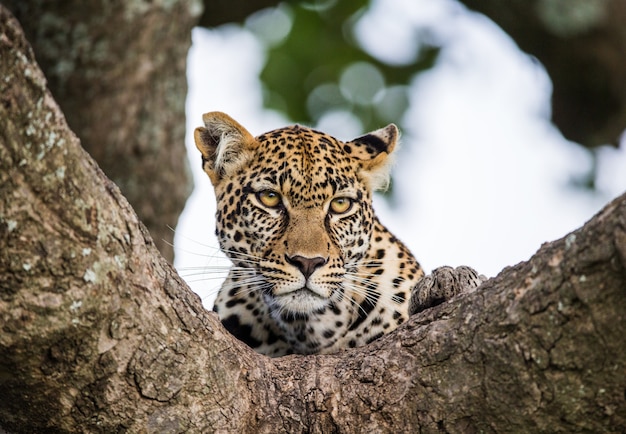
(99, 334)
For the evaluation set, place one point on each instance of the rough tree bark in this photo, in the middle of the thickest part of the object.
(99, 334)
(117, 69)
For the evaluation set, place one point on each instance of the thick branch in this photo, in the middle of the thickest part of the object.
(100, 335)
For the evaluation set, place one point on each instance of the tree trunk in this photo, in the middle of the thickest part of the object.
(99, 334)
(117, 69)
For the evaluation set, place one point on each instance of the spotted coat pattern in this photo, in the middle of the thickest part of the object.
(314, 270)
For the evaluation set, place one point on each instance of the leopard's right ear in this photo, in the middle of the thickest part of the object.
(225, 145)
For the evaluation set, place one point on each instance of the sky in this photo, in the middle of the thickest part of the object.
(482, 177)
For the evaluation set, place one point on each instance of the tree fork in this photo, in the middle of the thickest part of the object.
(99, 334)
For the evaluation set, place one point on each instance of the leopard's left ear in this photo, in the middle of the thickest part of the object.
(374, 150)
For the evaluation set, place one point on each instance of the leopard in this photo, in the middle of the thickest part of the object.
(314, 271)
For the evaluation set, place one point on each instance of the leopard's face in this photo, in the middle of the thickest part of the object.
(299, 215)
(313, 269)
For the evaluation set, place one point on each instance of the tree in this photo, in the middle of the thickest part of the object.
(99, 334)
(118, 72)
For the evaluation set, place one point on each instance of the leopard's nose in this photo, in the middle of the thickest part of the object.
(306, 265)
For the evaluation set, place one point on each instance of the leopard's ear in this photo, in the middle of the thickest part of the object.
(225, 145)
(374, 152)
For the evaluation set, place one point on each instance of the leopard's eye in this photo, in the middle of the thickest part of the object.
(340, 205)
(269, 198)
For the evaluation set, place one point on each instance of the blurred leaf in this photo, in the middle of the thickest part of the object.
(320, 68)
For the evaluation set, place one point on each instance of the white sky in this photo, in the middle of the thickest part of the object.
(482, 178)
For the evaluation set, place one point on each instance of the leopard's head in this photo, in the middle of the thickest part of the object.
(294, 208)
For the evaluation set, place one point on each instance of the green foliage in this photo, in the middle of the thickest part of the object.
(317, 66)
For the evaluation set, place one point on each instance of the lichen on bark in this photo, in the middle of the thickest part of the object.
(118, 72)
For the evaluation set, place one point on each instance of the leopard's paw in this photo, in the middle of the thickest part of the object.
(443, 284)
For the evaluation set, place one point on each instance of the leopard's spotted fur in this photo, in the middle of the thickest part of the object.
(313, 270)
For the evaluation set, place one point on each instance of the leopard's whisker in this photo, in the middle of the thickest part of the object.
(373, 296)
(223, 253)
(201, 277)
(241, 254)
(215, 270)
(248, 285)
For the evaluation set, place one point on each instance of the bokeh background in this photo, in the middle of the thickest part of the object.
(483, 176)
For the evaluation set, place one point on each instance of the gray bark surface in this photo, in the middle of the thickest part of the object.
(117, 69)
(99, 334)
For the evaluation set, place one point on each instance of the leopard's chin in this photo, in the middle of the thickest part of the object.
(302, 301)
